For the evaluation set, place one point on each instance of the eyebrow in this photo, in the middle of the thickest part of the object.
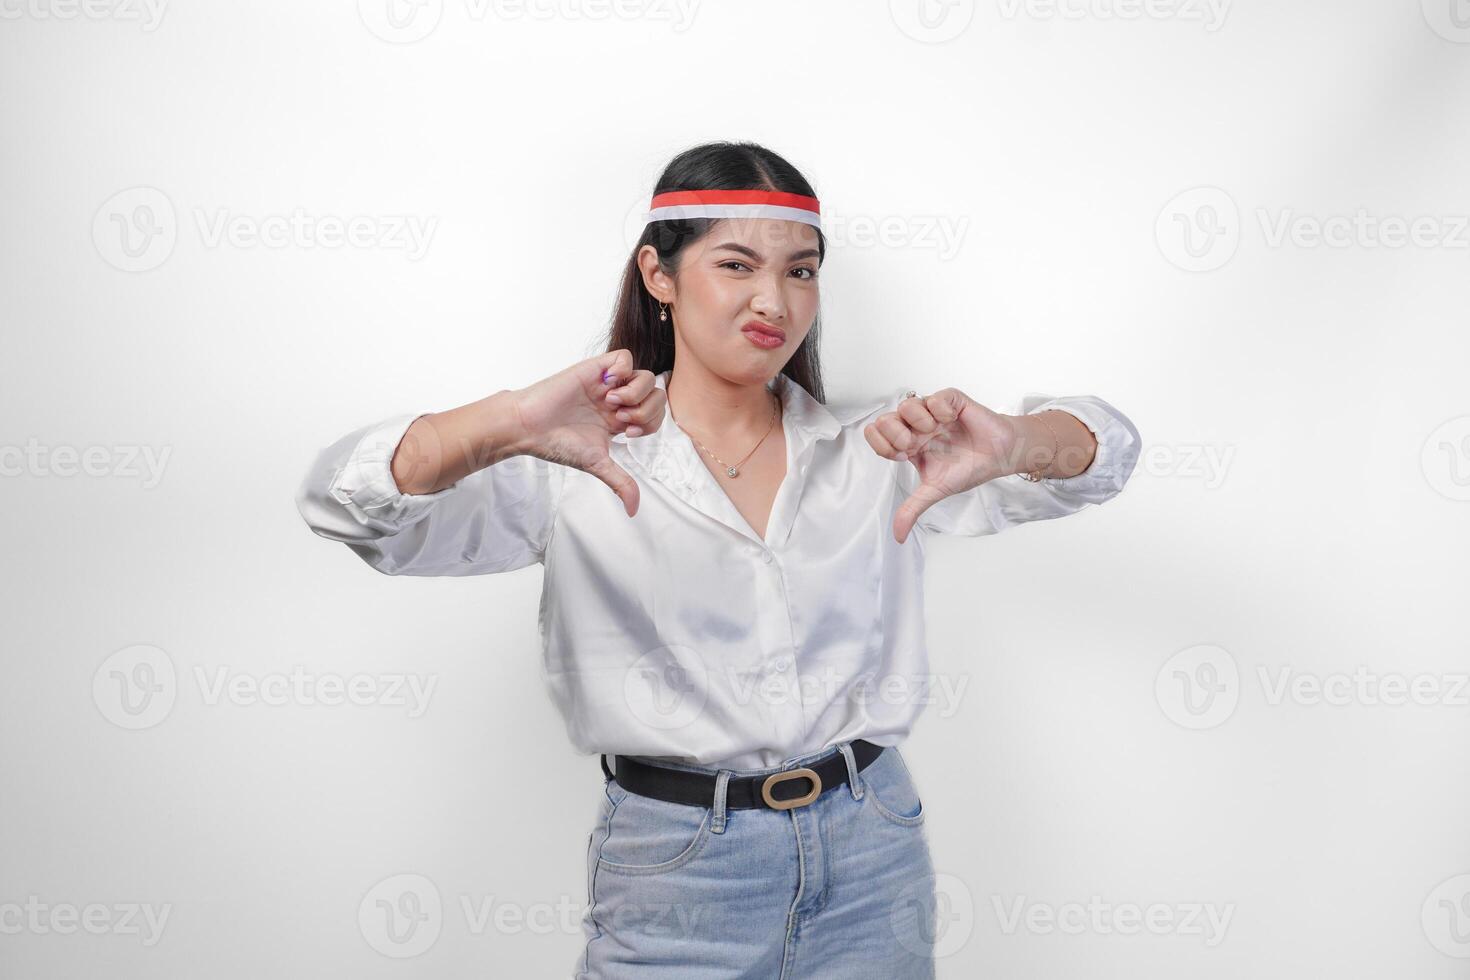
(806, 253)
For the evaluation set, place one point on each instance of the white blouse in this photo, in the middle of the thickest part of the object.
(679, 633)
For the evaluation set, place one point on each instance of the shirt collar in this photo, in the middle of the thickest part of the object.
(800, 412)
(668, 455)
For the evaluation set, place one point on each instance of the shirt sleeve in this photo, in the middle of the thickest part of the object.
(1010, 500)
(496, 519)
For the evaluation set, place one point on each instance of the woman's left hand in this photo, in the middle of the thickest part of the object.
(955, 442)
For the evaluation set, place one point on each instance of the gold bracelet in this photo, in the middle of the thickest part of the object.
(1035, 475)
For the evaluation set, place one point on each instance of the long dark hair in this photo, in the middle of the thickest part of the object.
(709, 166)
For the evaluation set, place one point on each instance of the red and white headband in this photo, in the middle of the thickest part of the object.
(735, 204)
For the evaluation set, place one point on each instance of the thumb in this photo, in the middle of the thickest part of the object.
(618, 481)
(615, 365)
(923, 497)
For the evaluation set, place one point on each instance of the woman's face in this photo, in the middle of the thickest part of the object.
(743, 272)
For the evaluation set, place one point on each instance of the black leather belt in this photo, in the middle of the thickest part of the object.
(782, 790)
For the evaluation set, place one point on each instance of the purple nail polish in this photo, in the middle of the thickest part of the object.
(607, 377)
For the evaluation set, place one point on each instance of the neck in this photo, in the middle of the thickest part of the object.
(718, 410)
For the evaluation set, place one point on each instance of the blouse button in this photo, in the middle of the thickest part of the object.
(784, 663)
(766, 557)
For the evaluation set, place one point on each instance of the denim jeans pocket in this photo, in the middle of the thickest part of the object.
(889, 787)
(644, 836)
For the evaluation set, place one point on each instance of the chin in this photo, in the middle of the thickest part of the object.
(755, 370)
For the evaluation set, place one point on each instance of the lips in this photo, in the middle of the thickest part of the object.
(764, 329)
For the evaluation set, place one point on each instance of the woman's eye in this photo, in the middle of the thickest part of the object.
(810, 272)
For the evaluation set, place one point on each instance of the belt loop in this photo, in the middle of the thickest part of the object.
(718, 820)
(607, 774)
(852, 770)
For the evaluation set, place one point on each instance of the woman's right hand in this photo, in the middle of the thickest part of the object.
(570, 419)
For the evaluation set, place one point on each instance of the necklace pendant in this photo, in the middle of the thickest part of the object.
(732, 471)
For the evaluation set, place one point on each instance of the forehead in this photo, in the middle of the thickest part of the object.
(771, 237)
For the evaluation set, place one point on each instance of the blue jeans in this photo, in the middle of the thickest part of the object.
(840, 888)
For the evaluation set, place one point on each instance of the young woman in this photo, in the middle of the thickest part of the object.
(732, 608)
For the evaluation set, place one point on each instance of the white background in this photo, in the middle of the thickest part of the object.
(1300, 509)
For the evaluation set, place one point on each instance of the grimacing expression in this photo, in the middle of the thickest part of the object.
(744, 270)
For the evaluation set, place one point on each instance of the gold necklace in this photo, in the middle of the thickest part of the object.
(730, 471)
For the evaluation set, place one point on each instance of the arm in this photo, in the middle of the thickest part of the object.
(474, 490)
(386, 493)
(1112, 446)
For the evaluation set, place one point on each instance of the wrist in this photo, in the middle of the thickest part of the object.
(1034, 446)
(502, 430)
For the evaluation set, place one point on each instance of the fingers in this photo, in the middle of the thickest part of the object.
(619, 481)
(630, 389)
(904, 432)
(899, 434)
(641, 401)
(629, 396)
(881, 443)
(945, 405)
(644, 417)
(917, 422)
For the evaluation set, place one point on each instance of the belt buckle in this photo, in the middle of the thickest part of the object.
(780, 777)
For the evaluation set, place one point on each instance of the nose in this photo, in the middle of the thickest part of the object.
(768, 302)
